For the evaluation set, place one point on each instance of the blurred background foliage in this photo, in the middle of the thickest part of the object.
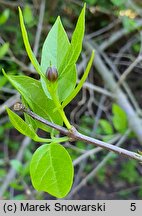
(115, 177)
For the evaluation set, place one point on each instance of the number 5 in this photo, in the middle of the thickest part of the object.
(133, 207)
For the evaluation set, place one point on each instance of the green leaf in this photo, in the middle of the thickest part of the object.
(129, 167)
(67, 82)
(108, 138)
(4, 16)
(91, 2)
(16, 186)
(51, 170)
(78, 35)
(28, 47)
(129, 24)
(60, 53)
(3, 80)
(23, 127)
(28, 15)
(28, 119)
(79, 86)
(119, 118)
(118, 2)
(3, 50)
(32, 92)
(54, 50)
(54, 47)
(17, 165)
(106, 126)
(76, 41)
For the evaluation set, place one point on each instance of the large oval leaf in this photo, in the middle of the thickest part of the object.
(51, 170)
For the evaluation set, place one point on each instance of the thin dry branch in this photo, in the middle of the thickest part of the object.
(10, 102)
(98, 167)
(74, 135)
(98, 89)
(118, 35)
(134, 121)
(129, 70)
(12, 172)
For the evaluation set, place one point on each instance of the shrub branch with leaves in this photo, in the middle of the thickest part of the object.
(51, 167)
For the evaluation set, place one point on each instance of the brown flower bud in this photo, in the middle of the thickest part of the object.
(52, 74)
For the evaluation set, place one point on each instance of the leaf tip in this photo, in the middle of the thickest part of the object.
(3, 71)
(20, 15)
(59, 19)
(19, 9)
(93, 53)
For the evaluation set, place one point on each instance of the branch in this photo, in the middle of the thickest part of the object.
(12, 172)
(9, 103)
(129, 70)
(74, 135)
(121, 98)
(98, 89)
(118, 35)
(39, 28)
(93, 173)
